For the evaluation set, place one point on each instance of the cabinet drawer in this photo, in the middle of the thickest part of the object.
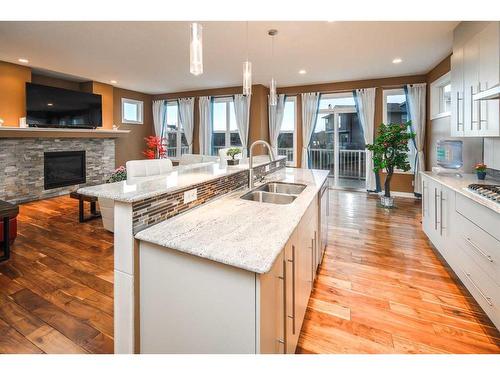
(480, 246)
(480, 215)
(483, 289)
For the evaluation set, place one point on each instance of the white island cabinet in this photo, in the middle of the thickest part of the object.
(465, 228)
(233, 276)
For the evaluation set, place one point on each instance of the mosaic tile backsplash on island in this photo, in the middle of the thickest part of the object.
(153, 210)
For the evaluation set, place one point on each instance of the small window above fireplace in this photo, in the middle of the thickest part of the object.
(64, 168)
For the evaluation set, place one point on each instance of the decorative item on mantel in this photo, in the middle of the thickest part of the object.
(232, 152)
(390, 152)
(481, 171)
(155, 147)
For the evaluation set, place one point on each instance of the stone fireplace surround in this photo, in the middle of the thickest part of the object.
(22, 165)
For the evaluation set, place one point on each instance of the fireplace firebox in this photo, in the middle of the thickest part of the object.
(64, 168)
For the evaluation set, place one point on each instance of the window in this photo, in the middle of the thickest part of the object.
(441, 97)
(132, 111)
(224, 132)
(287, 138)
(396, 112)
(174, 133)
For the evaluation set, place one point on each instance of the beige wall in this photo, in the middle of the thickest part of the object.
(13, 80)
(131, 146)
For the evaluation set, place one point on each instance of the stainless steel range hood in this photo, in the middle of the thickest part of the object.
(490, 94)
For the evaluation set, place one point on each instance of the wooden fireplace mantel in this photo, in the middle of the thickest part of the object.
(15, 132)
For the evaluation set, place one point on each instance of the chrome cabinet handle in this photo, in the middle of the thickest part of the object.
(471, 108)
(293, 289)
(312, 260)
(423, 197)
(478, 249)
(486, 298)
(458, 111)
(441, 199)
(435, 209)
(283, 278)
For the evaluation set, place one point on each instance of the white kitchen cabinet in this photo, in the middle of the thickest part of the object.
(457, 92)
(475, 68)
(467, 235)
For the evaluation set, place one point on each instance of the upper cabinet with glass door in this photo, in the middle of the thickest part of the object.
(474, 70)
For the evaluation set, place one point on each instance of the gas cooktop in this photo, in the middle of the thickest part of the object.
(491, 192)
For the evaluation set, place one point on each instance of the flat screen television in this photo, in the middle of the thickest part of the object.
(55, 107)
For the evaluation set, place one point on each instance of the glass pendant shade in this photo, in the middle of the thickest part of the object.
(247, 78)
(273, 97)
(196, 49)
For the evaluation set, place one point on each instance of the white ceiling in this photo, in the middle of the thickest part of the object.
(153, 57)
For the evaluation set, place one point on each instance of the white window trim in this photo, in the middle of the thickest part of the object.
(227, 132)
(180, 130)
(435, 96)
(140, 108)
(293, 163)
(387, 92)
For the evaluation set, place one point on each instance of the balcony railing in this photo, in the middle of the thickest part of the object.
(288, 152)
(352, 163)
(172, 152)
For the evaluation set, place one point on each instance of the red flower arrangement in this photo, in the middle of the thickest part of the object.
(155, 147)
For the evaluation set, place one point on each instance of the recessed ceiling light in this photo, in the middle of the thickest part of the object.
(113, 81)
(397, 60)
(24, 61)
(302, 71)
(50, 104)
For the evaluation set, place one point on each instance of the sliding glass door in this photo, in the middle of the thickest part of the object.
(338, 143)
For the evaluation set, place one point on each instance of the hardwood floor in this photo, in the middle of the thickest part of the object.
(56, 291)
(382, 288)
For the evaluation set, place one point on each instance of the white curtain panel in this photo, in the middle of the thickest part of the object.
(310, 102)
(276, 113)
(205, 106)
(416, 102)
(242, 115)
(365, 101)
(159, 112)
(186, 117)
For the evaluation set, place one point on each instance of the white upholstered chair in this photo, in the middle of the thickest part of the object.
(138, 170)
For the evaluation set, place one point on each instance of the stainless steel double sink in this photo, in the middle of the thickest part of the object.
(275, 192)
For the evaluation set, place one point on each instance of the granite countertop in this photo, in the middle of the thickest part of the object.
(179, 178)
(460, 185)
(244, 234)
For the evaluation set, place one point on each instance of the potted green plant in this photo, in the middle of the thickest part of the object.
(232, 152)
(390, 152)
(481, 171)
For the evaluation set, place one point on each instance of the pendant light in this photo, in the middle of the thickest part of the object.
(247, 73)
(273, 97)
(196, 49)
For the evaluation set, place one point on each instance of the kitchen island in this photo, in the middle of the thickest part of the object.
(140, 204)
(233, 275)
